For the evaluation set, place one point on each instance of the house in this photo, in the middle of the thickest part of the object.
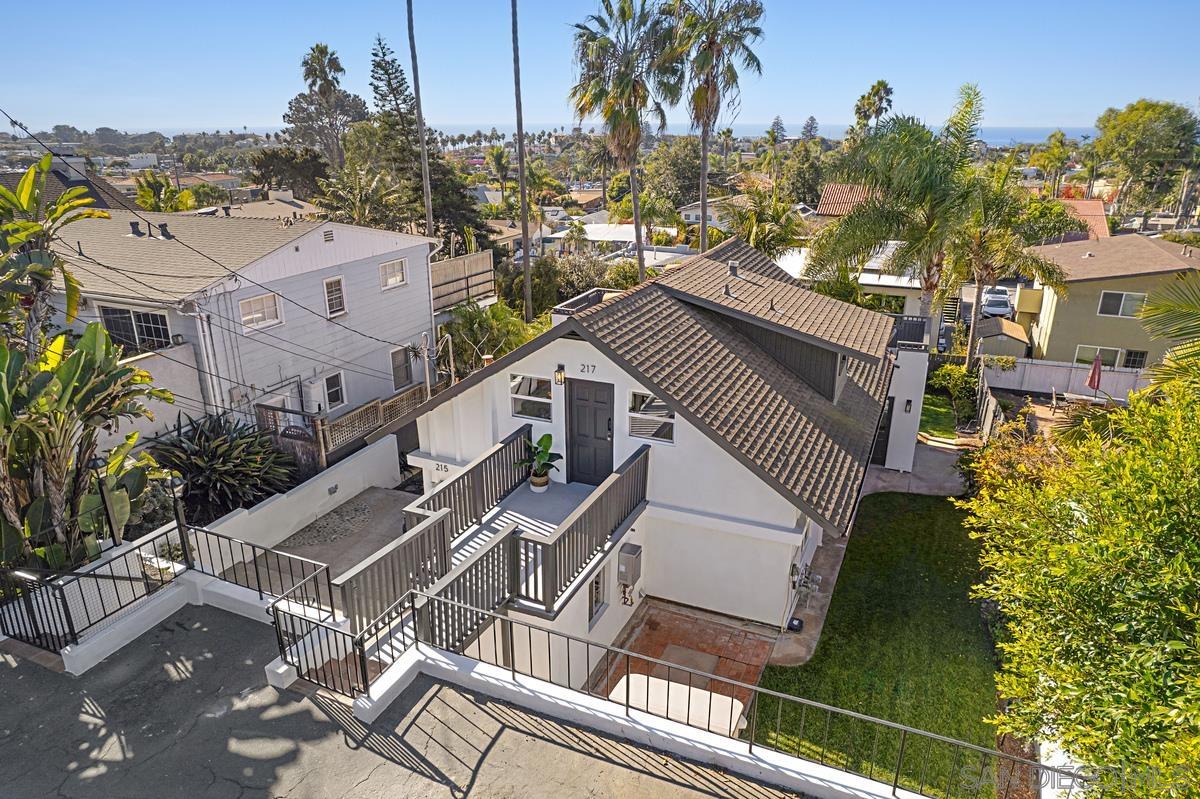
(589, 199)
(1091, 212)
(67, 172)
(218, 179)
(506, 234)
(717, 210)
(899, 292)
(606, 236)
(305, 315)
(838, 199)
(1000, 336)
(482, 194)
(280, 204)
(1106, 282)
(753, 405)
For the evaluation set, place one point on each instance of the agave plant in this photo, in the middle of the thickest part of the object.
(225, 464)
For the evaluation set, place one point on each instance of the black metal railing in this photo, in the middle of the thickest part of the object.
(32, 609)
(894, 754)
(262, 569)
(95, 595)
(581, 302)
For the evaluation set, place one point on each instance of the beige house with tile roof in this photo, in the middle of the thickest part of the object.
(1107, 280)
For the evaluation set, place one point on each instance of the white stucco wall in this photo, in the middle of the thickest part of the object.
(908, 385)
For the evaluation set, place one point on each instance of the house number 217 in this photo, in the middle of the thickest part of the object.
(587, 368)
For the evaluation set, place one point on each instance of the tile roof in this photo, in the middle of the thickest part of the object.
(1091, 212)
(766, 292)
(809, 449)
(173, 270)
(57, 182)
(1119, 256)
(839, 199)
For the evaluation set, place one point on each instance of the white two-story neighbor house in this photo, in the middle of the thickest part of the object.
(228, 312)
(750, 407)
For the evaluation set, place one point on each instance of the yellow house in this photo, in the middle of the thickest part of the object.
(1107, 281)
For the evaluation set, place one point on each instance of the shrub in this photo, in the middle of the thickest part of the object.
(959, 385)
(225, 464)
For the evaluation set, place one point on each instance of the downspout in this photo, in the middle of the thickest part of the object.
(212, 370)
(213, 399)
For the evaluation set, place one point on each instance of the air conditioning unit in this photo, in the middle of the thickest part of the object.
(629, 565)
(313, 393)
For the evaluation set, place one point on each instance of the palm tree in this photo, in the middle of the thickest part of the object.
(769, 160)
(575, 237)
(726, 136)
(323, 72)
(526, 255)
(627, 68)
(599, 158)
(988, 247)
(360, 197)
(497, 159)
(416, 86)
(715, 37)
(918, 186)
(879, 100)
(767, 223)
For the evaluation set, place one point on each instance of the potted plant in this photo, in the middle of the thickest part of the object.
(540, 461)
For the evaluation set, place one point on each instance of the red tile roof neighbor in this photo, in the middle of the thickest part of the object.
(1092, 212)
(839, 199)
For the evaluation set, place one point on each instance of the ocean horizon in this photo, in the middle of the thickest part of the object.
(992, 135)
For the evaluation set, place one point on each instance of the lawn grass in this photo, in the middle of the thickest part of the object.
(937, 419)
(902, 642)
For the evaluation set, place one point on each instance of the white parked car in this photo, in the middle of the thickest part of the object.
(997, 301)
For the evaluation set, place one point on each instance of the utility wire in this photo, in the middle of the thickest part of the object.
(206, 256)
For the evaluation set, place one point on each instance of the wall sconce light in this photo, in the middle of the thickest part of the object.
(908, 406)
(560, 375)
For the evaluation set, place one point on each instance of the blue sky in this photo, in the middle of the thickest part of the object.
(176, 66)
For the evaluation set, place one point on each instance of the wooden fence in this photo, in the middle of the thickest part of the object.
(467, 277)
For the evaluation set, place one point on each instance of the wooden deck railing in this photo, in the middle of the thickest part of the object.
(467, 277)
(547, 567)
(353, 425)
(482, 582)
(421, 557)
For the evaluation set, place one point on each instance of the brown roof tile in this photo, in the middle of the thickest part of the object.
(839, 199)
(1119, 256)
(1091, 212)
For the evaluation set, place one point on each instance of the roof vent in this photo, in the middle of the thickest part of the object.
(162, 231)
(728, 293)
(771, 304)
(328, 235)
(135, 228)
(733, 267)
(1089, 254)
(225, 209)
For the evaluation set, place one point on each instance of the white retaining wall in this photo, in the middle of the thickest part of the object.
(277, 518)
(1040, 377)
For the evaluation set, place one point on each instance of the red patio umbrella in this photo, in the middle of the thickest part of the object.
(1093, 381)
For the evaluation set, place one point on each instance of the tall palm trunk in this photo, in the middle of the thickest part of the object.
(976, 315)
(412, 49)
(704, 133)
(527, 259)
(637, 220)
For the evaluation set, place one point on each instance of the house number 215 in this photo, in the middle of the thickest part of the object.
(587, 368)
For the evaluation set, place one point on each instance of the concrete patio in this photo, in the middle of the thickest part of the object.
(184, 710)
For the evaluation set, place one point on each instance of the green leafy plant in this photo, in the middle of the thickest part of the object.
(225, 464)
(541, 460)
(959, 385)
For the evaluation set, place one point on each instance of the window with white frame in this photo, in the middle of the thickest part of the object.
(598, 594)
(1134, 359)
(393, 273)
(1086, 354)
(649, 417)
(402, 373)
(136, 331)
(335, 297)
(530, 396)
(260, 311)
(335, 391)
(1120, 303)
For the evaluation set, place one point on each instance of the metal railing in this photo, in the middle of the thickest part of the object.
(458, 280)
(32, 609)
(887, 752)
(548, 566)
(98, 593)
(262, 569)
(910, 332)
(581, 302)
(421, 557)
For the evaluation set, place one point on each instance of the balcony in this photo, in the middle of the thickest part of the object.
(581, 302)
(467, 278)
(910, 333)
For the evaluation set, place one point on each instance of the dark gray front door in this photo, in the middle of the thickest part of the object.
(589, 431)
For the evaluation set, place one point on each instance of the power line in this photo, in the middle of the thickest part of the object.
(208, 257)
(335, 363)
